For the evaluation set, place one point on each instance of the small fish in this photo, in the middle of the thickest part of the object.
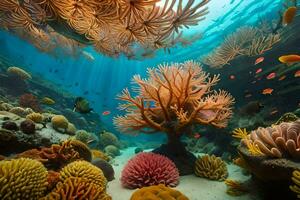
(248, 95)
(253, 82)
(258, 71)
(289, 15)
(48, 101)
(197, 136)
(259, 60)
(106, 113)
(267, 91)
(231, 77)
(289, 59)
(273, 112)
(282, 78)
(81, 105)
(88, 56)
(297, 74)
(271, 76)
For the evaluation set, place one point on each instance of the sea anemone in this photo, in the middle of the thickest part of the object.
(146, 169)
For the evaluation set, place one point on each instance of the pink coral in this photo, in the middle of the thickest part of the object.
(30, 101)
(146, 169)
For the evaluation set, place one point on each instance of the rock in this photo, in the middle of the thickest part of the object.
(10, 125)
(106, 168)
(4, 115)
(27, 126)
(138, 150)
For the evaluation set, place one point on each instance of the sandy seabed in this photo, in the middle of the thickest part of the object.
(193, 187)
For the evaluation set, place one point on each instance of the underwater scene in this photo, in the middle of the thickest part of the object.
(149, 99)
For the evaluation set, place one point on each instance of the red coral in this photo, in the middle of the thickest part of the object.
(146, 169)
(30, 101)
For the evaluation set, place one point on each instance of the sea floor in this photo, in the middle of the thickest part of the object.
(193, 187)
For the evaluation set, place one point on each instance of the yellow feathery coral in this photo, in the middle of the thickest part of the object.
(211, 167)
(157, 192)
(240, 133)
(22, 178)
(84, 169)
(36, 117)
(59, 122)
(19, 73)
(254, 149)
(235, 188)
(77, 188)
(99, 154)
(296, 179)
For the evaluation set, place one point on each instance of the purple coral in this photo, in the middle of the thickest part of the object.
(278, 141)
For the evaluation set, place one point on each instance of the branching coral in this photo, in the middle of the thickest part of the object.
(22, 179)
(172, 99)
(250, 41)
(211, 167)
(296, 179)
(111, 26)
(146, 169)
(277, 141)
(158, 192)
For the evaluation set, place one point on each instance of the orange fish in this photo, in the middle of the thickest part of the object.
(271, 76)
(282, 78)
(106, 112)
(288, 15)
(258, 71)
(297, 73)
(267, 91)
(197, 136)
(289, 59)
(231, 77)
(259, 60)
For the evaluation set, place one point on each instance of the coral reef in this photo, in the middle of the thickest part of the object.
(59, 122)
(99, 154)
(276, 141)
(22, 179)
(146, 169)
(82, 149)
(16, 71)
(106, 138)
(22, 112)
(296, 179)
(158, 192)
(36, 117)
(112, 27)
(29, 101)
(52, 179)
(27, 126)
(106, 168)
(71, 130)
(83, 136)
(112, 150)
(211, 167)
(287, 117)
(172, 100)
(84, 169)
(235, 188)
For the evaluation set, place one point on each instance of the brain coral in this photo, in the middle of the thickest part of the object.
(74, 188)
(146, 169)
(158, 192)
(86, 170)
(59, 122)
(19, 73)
(107, 138)
(211, 167)
(83, 136)
(112, 150)
(36, 117)
(278, 141)
(71, 130)
(22, 178)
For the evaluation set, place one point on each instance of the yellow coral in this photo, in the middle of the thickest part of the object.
(85, 170)
(48, 101)
(22, 178)
(19, 72)
(158, 192)
(211, 167)
(235, 188)
(100, 154)
(77, 188)
(240, 133)
(36, 117)
(71, 129)
(296, 179)
(254, 149)
(59, 122)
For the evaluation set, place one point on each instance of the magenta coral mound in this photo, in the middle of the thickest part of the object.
(146, 169)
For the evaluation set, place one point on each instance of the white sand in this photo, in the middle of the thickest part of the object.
(193, 187)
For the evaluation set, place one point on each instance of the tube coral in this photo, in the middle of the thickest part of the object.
(146, 169)
(22, 178)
